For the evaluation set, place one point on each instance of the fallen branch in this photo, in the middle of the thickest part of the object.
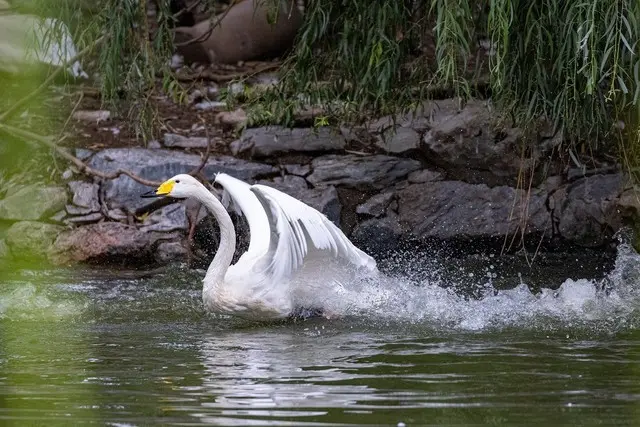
(82, 167)
(217, 77)
(86, 169)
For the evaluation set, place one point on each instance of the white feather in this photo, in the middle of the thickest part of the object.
(237, 194)
(294, 228)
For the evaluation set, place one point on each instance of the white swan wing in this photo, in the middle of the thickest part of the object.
(295, 230)
(240, 195)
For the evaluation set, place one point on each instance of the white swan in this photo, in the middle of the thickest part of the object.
(295, 254)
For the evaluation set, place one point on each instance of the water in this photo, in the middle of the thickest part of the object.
(105, 348)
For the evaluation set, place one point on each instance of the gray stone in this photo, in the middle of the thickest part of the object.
(104, 241)
(96, 116)
(33, 203)
(85, 195)
(177, 61)
(422, 118)
(117, 214)
(360, 172)
(399, 140)
(83, 153)
(268, 141)
(210, 105)
(236, 119)
(154, 145)
(425, 175)
(167, 252)
(588, 212)
(159, 165)
(172, 217)
(299, 170)
(174, 140)
(84, 219)
(323, 199)
(58, 217)
(469, 143)
(454, 209)
(67, 174)
(376, 205)
(194, 96)
(31, 239)
(75, 210)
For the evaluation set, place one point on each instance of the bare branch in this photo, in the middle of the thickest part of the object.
(207, 34)
(82, 167)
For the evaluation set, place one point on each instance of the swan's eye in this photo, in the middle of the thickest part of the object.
(177, 181)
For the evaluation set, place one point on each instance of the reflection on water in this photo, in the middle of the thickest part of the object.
(88, 348)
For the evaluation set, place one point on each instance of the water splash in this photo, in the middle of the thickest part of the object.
(607, 304)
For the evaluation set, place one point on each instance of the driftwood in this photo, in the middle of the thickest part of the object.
(245, 31)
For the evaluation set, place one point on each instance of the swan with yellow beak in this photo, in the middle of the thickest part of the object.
(294, 252)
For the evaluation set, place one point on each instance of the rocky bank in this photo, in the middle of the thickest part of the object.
(441, 174)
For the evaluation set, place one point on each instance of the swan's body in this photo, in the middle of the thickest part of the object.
(295, 253)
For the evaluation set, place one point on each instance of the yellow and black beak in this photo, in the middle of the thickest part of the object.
(164, 190)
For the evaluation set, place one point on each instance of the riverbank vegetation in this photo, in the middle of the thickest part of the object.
(574, 65)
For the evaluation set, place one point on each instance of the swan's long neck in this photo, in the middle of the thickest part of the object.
(221, 262)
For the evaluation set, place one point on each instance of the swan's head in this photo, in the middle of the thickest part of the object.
(180, 187)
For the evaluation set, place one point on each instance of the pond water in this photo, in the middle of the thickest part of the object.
(123, 349)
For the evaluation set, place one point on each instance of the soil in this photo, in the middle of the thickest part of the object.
(118, 132)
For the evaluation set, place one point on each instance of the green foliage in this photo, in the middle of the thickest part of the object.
(571, 62)
(575, 63)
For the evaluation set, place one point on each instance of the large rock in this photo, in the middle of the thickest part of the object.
(454, 209)
(33, 203)
(588, 212)
(105, 241)
(267, 141)
(30, 238)
(471, 144)
(360, 172)
(159, 165)
(324, 199)
(174, 140)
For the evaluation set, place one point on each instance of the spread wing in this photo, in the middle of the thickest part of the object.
(295, 230)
